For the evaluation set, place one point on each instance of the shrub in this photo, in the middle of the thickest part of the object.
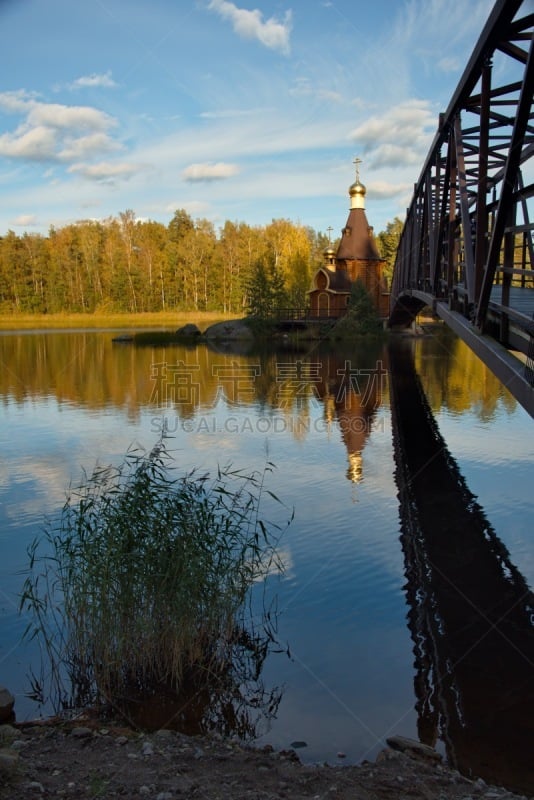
(143, 582)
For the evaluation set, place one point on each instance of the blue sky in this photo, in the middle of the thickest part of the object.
(250, 110)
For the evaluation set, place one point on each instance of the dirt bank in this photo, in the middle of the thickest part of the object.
(87, 760)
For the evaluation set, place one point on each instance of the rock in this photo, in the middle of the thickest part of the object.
(7, 703)
(232, 330)
(413, 748)
(8, 733)
(147, 749)
(299, 744)
(164, 733)
(123, 338)
(81, 733)
(188, 330)
(8, 761)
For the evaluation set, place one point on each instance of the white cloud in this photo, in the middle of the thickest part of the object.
(37, 144)
(306, 88)
(104, 81)
(16, 102)
(209, 172)
(105, 171)
(54, 131)
(250, 25)
(399, 136)
(55, 115)
(25, 220)
(392, 155)
(384, 190)
(84, 147)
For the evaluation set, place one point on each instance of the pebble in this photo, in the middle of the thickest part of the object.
(121, 740)
(35, 786)
(164, 796)
(147, 749)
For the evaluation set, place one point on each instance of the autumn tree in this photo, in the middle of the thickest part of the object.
(388, 242)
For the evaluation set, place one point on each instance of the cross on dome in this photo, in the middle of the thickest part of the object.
(357, 161)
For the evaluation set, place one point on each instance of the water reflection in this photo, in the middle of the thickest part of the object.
(352, 391)
(70, 399)
(471, 611)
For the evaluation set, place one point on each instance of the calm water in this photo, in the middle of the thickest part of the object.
(348, 599)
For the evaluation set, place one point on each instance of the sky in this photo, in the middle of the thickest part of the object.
(246, 111)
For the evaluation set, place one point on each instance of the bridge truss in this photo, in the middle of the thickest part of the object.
(467, 246)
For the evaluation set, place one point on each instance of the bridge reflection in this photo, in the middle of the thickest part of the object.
(470, 610)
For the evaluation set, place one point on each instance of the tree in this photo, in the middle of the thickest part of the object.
(259, 291)
(361, 317)
(388, 241)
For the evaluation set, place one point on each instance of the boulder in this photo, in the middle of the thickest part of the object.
(7, 702)
(232, 330)
(188, 330)
(413, 748)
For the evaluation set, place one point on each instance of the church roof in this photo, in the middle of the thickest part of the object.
(339, 281)
(357, 241)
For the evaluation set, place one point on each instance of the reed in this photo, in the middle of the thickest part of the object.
(144, 580)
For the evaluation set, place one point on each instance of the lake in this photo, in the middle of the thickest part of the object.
(364, 657)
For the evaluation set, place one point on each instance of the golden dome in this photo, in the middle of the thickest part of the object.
(357, 188)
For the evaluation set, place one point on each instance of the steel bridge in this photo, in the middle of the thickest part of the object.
(466, 249)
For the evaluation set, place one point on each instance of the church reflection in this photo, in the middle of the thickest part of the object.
(352, 390)
(470, 610)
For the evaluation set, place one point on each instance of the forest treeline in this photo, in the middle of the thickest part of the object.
(128, 265)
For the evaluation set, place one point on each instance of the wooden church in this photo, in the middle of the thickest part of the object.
(357, 258)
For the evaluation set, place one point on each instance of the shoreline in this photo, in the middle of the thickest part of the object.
(88, 758)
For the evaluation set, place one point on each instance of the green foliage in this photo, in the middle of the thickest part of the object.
(144, 582)
(266, 289)
(388, 242)
(361, 318)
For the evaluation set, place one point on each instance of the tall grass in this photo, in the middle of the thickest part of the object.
(101, 319)
(142, 584)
